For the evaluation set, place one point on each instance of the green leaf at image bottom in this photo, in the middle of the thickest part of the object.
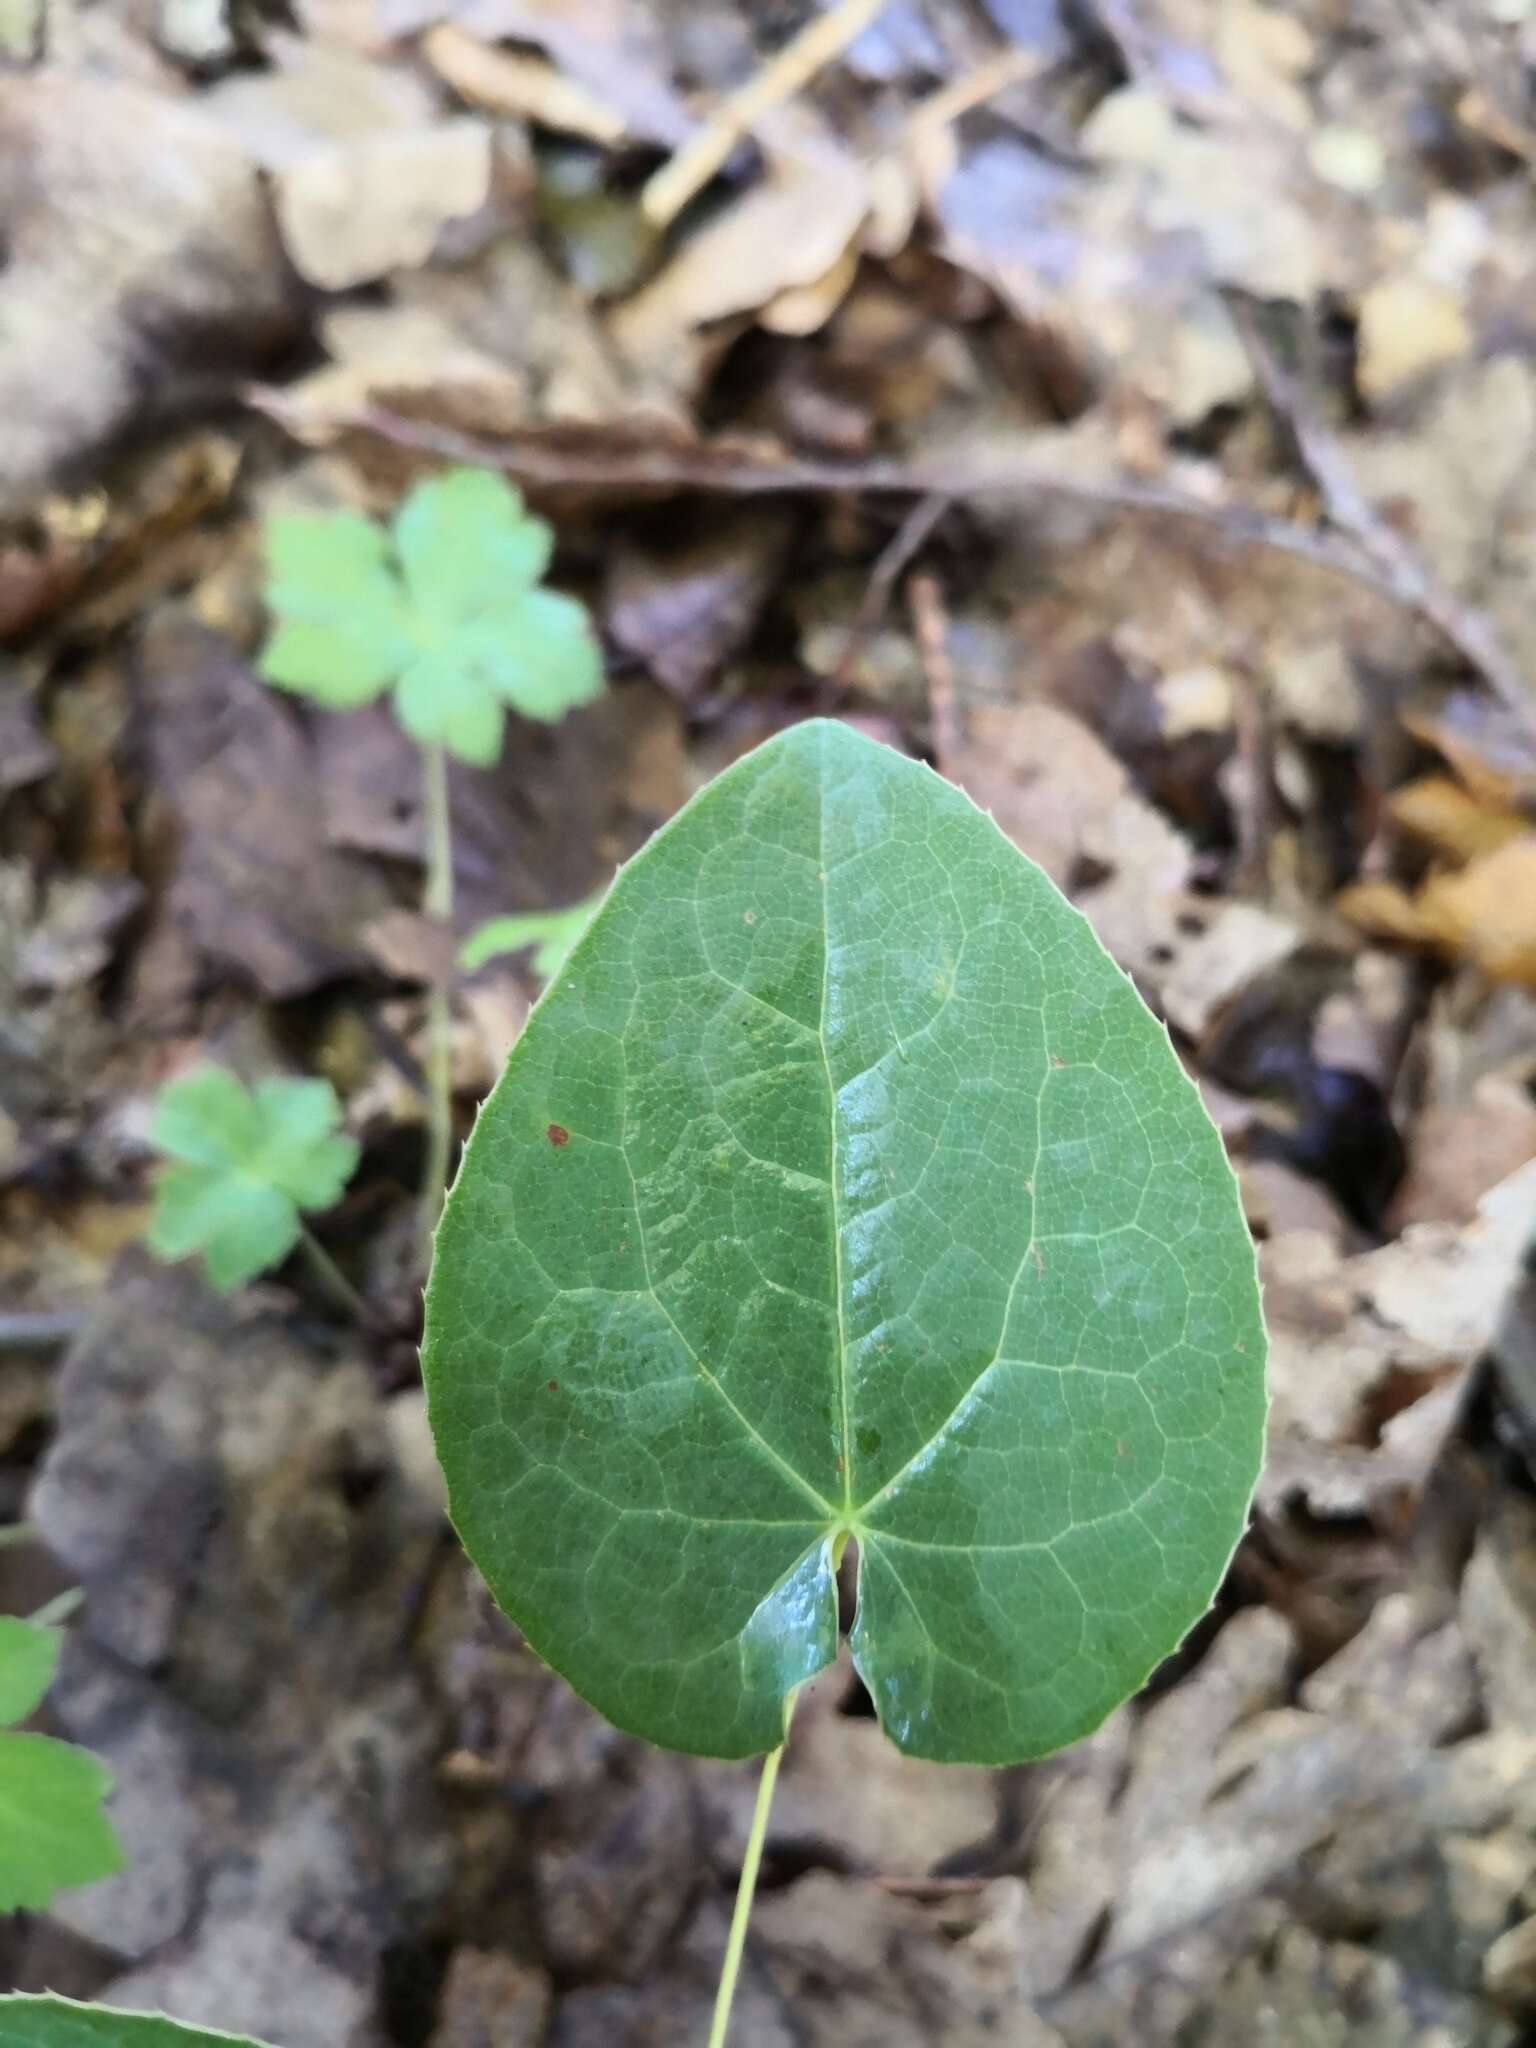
(54, 1830)
(840, 1186)
(49, 2022)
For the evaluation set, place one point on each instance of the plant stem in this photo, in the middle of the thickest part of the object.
(745, 1889)
(58, 1609)
(437, 902)
(329, 1274)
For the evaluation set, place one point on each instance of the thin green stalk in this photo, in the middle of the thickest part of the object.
(437, 902)
(58, 1609)
(745, 1889)
(329, 1274)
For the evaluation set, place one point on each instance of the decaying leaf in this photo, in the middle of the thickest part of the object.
(253, 884)
(1369, 1354)
(1061, 796)
(137, 236)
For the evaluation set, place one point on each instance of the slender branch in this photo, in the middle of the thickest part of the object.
(549, 458)
(902, 548)
(330, 1276)
(1397, 567)
(930, 629)
(39, 1330)
(437, 902)
(824, 37)
(746, 1888)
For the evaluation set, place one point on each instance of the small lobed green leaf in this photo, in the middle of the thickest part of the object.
(207, 1118)
(541, 656)
(247, 1163)
(28, 1655)
(550, 933)
(48, 2021)
(442, 700)
(54, 1830)
(444, 608)
(301, 1150)
(841, 1187)
(342, 633)
(466, 543)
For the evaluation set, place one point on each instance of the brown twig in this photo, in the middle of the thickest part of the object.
(38, 1330)
(788, 71)
(549, 459)
(894, 558)
(930, 629)
(1397, 568)
(553, 459)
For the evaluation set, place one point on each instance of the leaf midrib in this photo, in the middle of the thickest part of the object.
(832, 1170)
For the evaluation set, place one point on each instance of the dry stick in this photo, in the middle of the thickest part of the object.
(899, 551)
(541, 462)
(994, 74)
(930, 629)
(824, 37)
(1402, 573)
(38, 1330)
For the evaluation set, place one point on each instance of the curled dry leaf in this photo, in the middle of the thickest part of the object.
(364, 178)
(1369, 1354)
(1484, 913)
(1408, 327)
(787, 233)
(356, 212)
(529, 87)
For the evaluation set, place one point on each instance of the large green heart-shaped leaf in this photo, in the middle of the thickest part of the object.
(841, 1186)
(50, 2022)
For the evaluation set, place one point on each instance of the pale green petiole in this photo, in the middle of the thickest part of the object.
(437, 901)
(746, 1887)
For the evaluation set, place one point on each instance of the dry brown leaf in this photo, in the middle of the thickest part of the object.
(806, 308)
(1385, 909)
(137, 241)
(1491, 750)
(785, 233)
(1237, 945)
(1452, 820)
(1459, 1151)
(365, 175)
(1059, 793)
(685, 608)
(502, 82)
(353, 212)
(403, 349)
(1369, 1354)
(1458, 474)
(254, 884)
(1409, 326)
(1487, 911)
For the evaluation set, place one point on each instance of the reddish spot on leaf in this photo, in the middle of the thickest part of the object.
(557, 1134)
(554, 1386)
